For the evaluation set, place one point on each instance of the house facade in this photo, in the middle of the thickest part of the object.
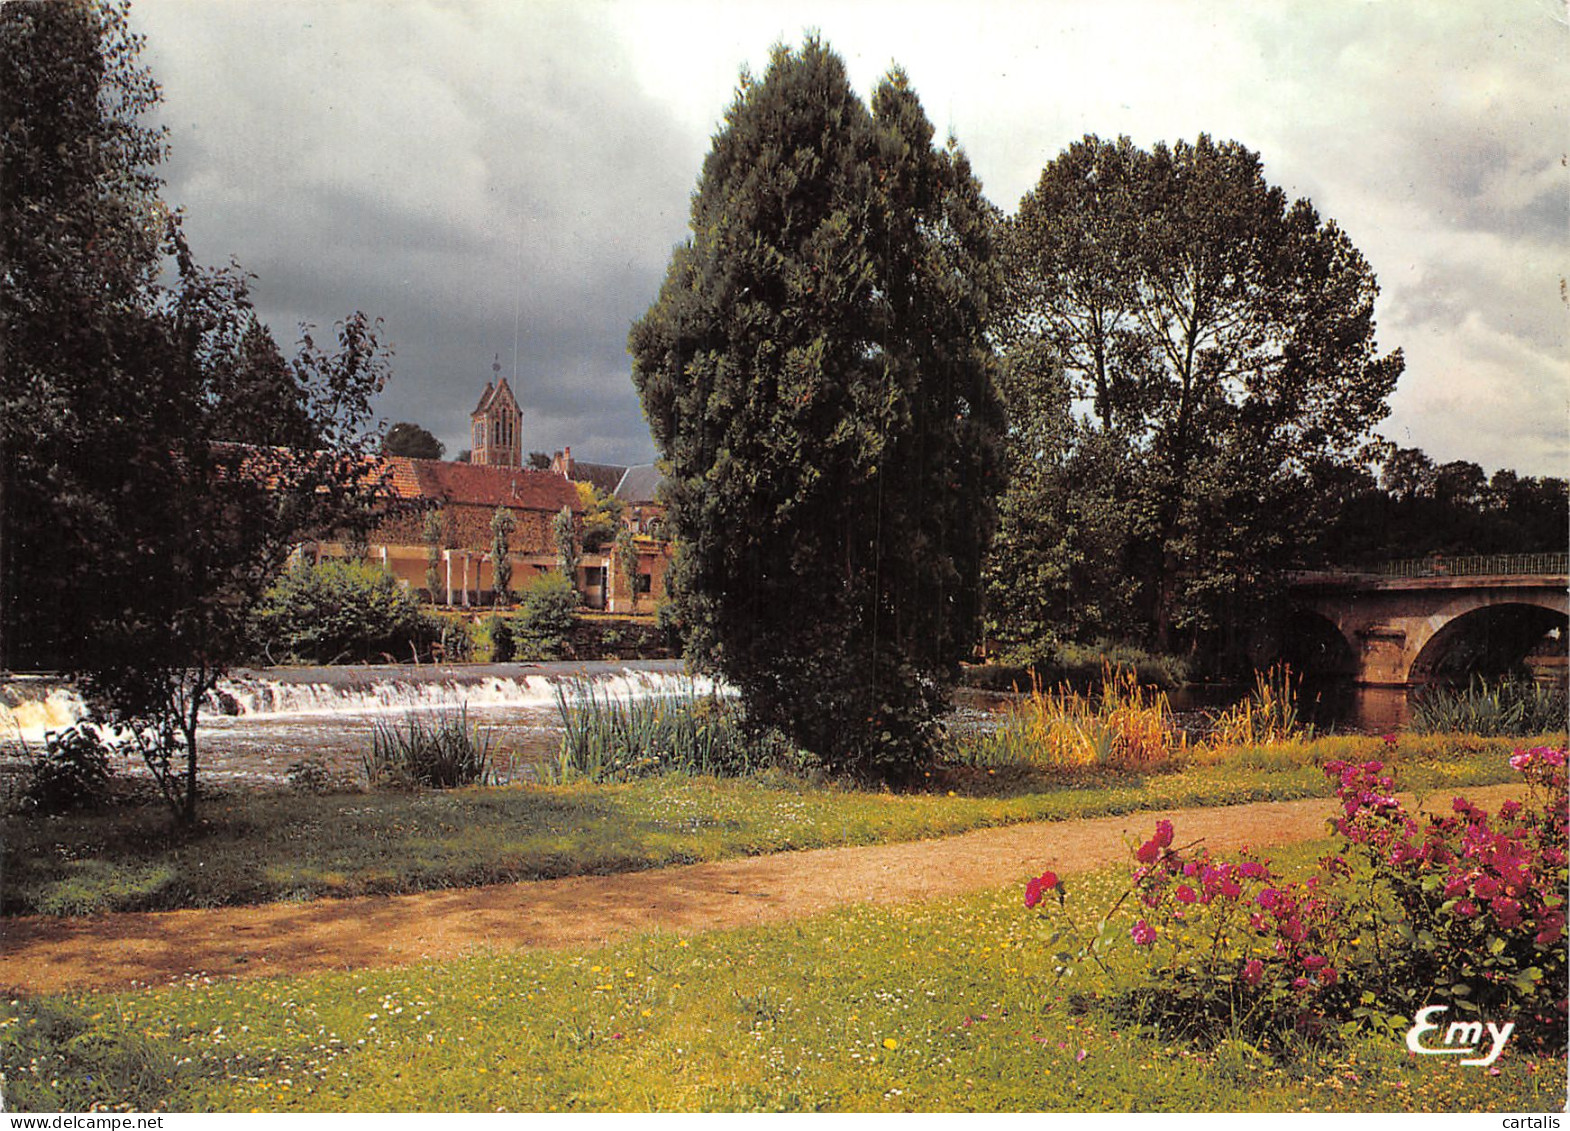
(464, 497)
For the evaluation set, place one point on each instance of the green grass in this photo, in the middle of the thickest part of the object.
(256, 848)
(937, 1005)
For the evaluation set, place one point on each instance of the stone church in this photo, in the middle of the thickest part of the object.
(466, 495)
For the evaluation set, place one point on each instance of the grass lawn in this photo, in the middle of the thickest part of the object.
(255, 848)
(941, 1005)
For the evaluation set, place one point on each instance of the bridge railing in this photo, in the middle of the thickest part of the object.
(1438, 565)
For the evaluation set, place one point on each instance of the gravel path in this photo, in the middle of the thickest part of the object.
(109, 951)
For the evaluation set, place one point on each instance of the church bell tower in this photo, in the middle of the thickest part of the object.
(496, 425)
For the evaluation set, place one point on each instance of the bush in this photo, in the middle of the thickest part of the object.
(1078, 665)
(1516, 707)
(440, 753)
(1466, 912)
(71, 773)
(499, 630)
(343, 612)
(548, 610)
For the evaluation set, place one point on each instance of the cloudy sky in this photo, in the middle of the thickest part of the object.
(506, 179)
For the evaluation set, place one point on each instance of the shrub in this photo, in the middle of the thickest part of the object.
(1467, 911)
(1517, 707)
(503, 645)
(339, 612)
(313, 775)
(71, 773)
(440, 753)
(548, 611)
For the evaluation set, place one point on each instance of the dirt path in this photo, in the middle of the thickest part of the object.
(49, 954)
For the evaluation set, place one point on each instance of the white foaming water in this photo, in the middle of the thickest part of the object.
(31, 718)
(265, 698)
(38, 711)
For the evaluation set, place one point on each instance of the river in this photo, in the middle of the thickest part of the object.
(263, 722)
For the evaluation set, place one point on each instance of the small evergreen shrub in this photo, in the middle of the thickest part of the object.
(71, 773)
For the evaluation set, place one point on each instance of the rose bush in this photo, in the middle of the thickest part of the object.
(1464, 909)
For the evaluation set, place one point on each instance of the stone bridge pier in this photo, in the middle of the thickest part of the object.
(1396, 631)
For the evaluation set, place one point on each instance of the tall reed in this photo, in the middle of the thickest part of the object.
(1505, 707)
(439, 753)
(1126, 727)
(606, 737)
(1271, 713)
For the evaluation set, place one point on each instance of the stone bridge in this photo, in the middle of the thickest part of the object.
(1416, 621)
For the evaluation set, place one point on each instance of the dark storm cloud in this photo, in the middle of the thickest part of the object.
(461, 168)
(456, 172)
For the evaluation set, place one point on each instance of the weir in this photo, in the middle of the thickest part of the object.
(31, 706)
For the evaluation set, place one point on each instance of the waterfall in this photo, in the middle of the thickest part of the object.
(31, 707)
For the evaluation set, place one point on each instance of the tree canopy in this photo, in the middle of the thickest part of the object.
(816, 374)
(405, 439)
(1220, 338)
(160, 455)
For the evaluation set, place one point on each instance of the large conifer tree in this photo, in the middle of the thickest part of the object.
(816, 374)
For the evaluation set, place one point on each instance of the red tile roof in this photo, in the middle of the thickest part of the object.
(476, 484)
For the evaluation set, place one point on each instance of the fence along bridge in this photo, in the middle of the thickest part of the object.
(1414, 621)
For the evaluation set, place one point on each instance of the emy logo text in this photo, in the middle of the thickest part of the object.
(1461, 1038)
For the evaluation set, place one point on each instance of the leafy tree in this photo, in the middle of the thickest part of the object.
(502, 525)
(431, 531)
(1224, 338)
(82, 223)
(816, 375)
(564, 529)
(539, 461)
(1415, 508)
(405, 439)
(602, 511)
(138, 533)
(626, 554)
(1055, 570)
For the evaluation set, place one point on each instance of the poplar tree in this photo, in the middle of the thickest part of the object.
(816, 374)
(502, 525)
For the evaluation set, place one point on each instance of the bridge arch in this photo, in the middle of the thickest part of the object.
(1404, 629)
(1490, 641)
(1314, 644)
